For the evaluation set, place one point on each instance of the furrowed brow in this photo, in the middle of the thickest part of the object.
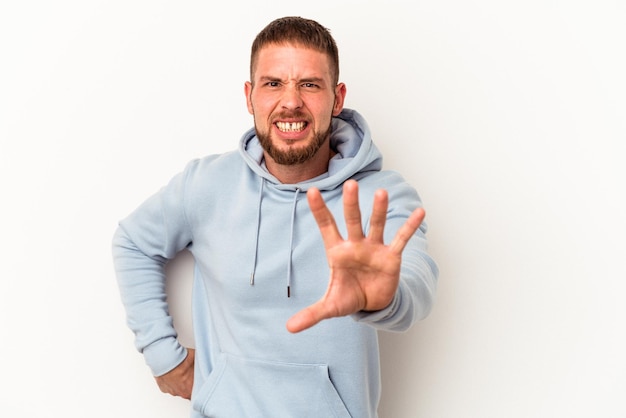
(315, 80)
(268, 78)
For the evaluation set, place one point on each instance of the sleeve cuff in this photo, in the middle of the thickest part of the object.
(164, 355)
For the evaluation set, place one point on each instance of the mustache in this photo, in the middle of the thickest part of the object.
(291, 115)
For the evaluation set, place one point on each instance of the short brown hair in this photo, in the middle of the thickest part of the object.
(297, 31)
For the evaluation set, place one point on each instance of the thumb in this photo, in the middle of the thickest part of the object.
(306, 318)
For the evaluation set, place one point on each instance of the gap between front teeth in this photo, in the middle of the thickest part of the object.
(290, 126)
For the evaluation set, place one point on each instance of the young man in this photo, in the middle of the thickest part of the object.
(291, 283)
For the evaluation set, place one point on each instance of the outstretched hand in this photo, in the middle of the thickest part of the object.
(364, 272)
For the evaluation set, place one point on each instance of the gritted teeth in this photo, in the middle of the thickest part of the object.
(290, 126)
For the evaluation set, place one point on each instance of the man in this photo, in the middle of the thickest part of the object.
(288, 295)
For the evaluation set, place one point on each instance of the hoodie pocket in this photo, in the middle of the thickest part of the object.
(243, 388)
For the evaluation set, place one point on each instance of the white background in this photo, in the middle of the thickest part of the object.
(507, 116)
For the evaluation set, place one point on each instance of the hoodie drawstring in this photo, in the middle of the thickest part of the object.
(256, 233)
(293, 221)
(291, 237)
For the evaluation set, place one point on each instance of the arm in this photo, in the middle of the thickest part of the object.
(369, 279)
(143, 243)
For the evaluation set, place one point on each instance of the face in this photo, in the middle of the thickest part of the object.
(292, 99)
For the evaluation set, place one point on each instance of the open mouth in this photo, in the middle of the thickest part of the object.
(291, 126)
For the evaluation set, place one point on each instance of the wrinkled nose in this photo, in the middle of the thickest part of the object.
(291, 98)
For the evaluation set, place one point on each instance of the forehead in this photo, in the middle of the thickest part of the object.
(288, 61)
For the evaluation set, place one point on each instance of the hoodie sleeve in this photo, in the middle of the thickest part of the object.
(418, 276)
(142, 244)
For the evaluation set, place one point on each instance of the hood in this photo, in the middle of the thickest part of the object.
(350, 138)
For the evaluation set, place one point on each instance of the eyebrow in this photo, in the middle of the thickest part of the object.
(317, 80)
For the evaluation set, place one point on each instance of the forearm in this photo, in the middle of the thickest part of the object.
(141, 281)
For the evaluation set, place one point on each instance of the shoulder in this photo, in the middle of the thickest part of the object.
(212, 168)
(390, 180)
(403, 197)
(212, 162)
(207, 174)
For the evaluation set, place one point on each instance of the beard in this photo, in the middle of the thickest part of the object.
(293, 156)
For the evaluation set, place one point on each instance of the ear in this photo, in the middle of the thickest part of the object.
(340, 96)
(248, 92)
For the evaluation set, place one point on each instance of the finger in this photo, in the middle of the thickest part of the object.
(351, 210)
(407, 230)
(323, 217)
(306, 318)
(379, 216)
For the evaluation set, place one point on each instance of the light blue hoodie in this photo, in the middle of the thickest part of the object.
(252, 238)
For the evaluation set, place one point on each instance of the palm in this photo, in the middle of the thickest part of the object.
(364, 272)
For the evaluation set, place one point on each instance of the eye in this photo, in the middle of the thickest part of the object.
(310, 85)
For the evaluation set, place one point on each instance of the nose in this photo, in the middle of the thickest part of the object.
(291, 98)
